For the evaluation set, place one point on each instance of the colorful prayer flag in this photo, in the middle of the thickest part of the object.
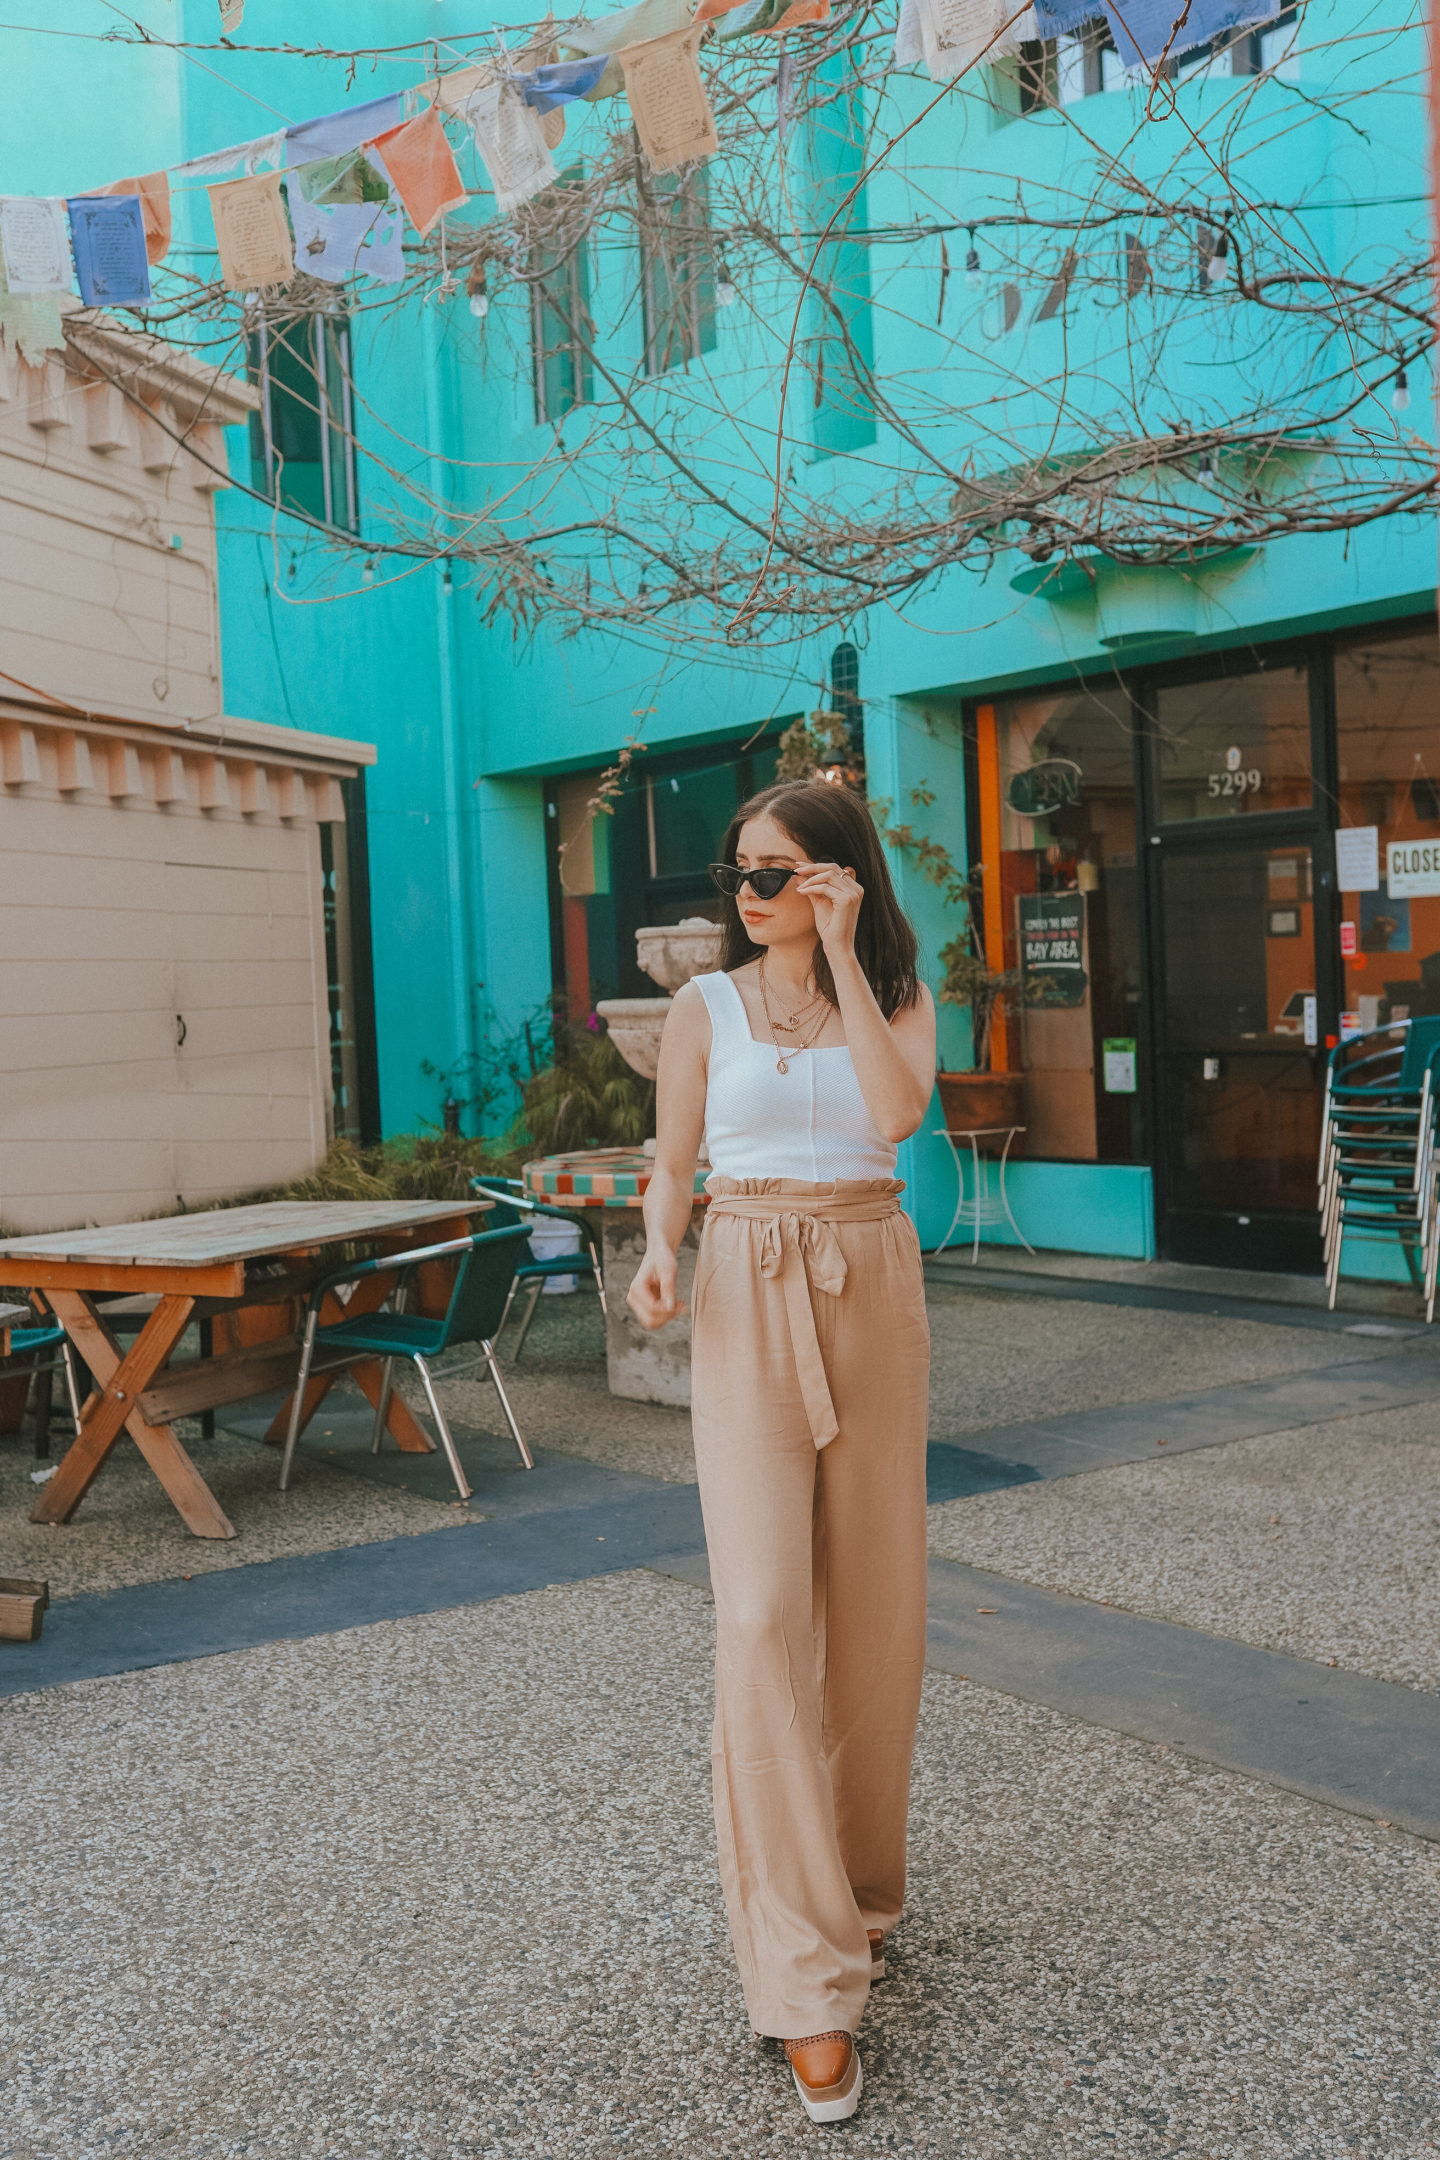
(35, 239)
(107, 233)
(545, 88)
(153, 190)
(251, 232)
(1146, 30)
(422, 170)
(667, 99)
(512, 146)
(346, 221)
(332, 134)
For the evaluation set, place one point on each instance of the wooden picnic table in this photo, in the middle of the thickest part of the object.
(247, 1271)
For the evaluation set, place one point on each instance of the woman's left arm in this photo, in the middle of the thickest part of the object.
(894, 1059)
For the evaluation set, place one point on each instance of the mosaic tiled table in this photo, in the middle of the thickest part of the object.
(640, 1366)
(599, 1177)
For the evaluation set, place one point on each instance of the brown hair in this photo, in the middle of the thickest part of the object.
(832, 824)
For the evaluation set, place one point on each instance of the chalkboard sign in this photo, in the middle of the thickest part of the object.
(1052, 948)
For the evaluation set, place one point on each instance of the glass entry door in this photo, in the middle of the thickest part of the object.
(1239, 1052)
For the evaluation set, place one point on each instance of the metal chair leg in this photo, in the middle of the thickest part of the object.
(456, 1468)
(382, 1408)
(535, 1289)
(68, 1360)
(525, 1456)
(597, 1271)
(510, 1300)
(44, 1392)
(298, 1398)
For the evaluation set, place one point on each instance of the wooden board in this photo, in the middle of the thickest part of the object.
(206, 1383)
(226, 1235)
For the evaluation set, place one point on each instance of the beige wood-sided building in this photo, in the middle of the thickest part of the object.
(166, 1030)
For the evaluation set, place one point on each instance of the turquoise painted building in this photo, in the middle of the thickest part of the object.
(1151, 764)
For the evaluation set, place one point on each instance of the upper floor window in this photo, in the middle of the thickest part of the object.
(677, 269)
(302, 445)
(1062, 70)
(560, 322)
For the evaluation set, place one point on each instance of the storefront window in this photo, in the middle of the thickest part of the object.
(1387, 712)
(1068, 892)
(1234, 745)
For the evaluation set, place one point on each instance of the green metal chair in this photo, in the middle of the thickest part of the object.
(513, 1204)
(477, 1304)
(49, 1345)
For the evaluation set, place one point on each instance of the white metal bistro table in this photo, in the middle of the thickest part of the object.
(985, 1209)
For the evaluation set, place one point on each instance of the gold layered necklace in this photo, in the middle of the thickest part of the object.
(812, 1014)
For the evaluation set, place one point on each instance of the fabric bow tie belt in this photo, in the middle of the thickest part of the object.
(799, 1248)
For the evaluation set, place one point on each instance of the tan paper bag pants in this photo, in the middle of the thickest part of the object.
(811, 1364)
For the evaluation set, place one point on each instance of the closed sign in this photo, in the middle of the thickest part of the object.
(1413, 869)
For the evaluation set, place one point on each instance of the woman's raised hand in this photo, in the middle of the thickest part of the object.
(651, 1296)
(836, 895)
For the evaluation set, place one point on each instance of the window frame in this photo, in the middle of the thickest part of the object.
(327, 334)
(563, 372)
(677, 301)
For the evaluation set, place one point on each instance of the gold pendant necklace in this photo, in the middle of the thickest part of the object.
(784, 1052)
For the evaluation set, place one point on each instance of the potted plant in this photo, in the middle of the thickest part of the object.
(982, 1099)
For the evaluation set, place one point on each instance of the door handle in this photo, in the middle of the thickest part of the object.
(181, 1031)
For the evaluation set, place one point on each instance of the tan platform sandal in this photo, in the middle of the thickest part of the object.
(827, 2074)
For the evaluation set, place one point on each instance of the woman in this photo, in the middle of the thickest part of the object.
(802, 1064)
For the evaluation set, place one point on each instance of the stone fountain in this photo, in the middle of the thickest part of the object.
(640, 1366)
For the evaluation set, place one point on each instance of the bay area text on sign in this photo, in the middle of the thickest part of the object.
(1052, 948)
(1413, 869)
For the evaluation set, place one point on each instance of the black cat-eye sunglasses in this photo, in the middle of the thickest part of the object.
(763, 883)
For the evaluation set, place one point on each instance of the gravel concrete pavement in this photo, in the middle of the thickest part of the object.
(127, 1531)
(353, 1899)
(1323, 1542)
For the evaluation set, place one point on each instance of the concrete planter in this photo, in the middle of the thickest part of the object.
(641, 1366)
(670, 953)
(635, 1026)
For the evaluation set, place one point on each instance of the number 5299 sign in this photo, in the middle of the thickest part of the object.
(1246, 781)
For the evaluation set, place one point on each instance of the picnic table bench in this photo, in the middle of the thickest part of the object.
(246, 1270)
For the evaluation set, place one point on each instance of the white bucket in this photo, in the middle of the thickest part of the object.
(548, 1238)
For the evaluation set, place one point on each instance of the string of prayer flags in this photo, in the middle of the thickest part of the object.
(332, 134)
(546, 88)
(35, 242)
(153, 190)
(422, 169)
(638, 25)
(346, 220)
(909, 42)
(107, 233)
(1145, 31)
(510, 139)
(667, 98)
(251, 232)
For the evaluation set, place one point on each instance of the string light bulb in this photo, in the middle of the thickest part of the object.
(479, 295)
(724, 284)
(1205, 470)
(1400, 395)
(1218, 268)
(367, 575)
(972, 263)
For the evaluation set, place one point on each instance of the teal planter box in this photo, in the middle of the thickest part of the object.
(1106, 1208)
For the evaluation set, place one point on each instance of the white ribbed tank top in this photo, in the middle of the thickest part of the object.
(811, 1122)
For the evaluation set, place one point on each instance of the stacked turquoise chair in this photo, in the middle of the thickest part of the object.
(1379, 1166)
